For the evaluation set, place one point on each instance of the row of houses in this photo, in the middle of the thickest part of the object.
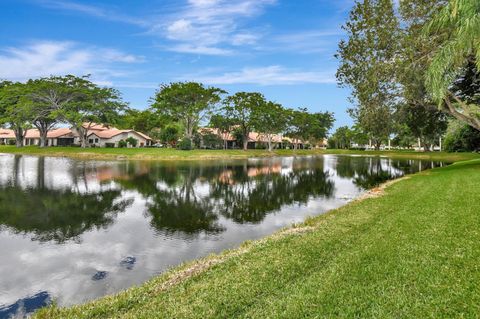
(256, 140)
(98, 136)
(103, 136)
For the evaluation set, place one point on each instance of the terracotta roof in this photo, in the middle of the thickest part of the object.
(96, 127)
(55, 133)
(100, 131)
(6, 133)
(252, 137)
(145, 136)
(114, 132)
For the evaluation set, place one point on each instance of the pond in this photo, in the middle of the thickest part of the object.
(74, 230)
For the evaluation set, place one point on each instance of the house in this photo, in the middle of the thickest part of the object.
(98, 136)
(55, 137)
(6, 136)
(102, 136)
(256, 140)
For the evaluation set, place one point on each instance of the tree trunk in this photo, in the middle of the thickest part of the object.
(19, 141)
(245, 143)
(450, 109)
(19, 135)
(43, 138)
(82, 134)
(270, 144)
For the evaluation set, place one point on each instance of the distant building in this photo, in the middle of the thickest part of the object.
(256, 139)
(98, 136)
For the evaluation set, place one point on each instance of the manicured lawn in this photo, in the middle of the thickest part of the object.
(412, 253)
(174, 154)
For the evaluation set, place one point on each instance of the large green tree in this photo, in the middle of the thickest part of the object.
(14, 109)
(271, 120)
(417, 110)
(87, 104)
(224, 125)
(243, 109)
(47, 97)
(188, 102)
(456, 28)
(304, 127)
(367, 65)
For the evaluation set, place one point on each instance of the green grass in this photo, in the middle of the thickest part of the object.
(412, 253)
(174, 154)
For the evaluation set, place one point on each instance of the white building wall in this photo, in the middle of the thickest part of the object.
(117, 138)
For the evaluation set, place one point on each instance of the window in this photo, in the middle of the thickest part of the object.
(90, 141)
(96, 140)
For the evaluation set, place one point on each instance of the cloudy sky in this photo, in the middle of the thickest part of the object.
(282, 48)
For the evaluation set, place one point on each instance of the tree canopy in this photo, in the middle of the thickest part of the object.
(188, 102)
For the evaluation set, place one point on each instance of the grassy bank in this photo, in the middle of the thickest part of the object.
(411, 253)
(174, 154)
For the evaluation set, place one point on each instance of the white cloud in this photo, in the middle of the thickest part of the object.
(244, 39)
(47, 58)
(210, 26)
(203, 50)
(270, 75)
(95, 11)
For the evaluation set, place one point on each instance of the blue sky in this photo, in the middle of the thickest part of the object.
(282, 48)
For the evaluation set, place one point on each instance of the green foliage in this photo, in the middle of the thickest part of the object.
(416, 115)
(243, 109)
(457, 29)
(110, 145)
(342, 138)
(170, 135)
(304, 126)
(212, 141)
(366, 65)
(224, 125)
(461, 137)
(15, 109)
(122, 144)
(185, 144)
(188, 102)
(345, 136)
(145, 121)
(238, 135)
(422, 121)
(132, 141)
(270, 119)
(11, 142)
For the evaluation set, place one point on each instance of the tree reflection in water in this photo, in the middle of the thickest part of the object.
(190, 197)
(57, 214)
(187, 198)
(370, 172)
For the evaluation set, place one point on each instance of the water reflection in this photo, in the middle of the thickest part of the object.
(77, 230)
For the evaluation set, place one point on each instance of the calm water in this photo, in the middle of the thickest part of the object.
(75, 230)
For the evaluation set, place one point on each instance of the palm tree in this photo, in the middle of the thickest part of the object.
(456, 30)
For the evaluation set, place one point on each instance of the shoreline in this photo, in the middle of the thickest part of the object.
(224, 267)
(168, 155)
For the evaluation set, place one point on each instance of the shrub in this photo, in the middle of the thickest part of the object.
(461, 138)
(185, 144)
(132, 141)
(197, 140)
(212, 141)
(169, 135)
(11, 142)
(110, 145)
(122, 144)
(260, 146)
